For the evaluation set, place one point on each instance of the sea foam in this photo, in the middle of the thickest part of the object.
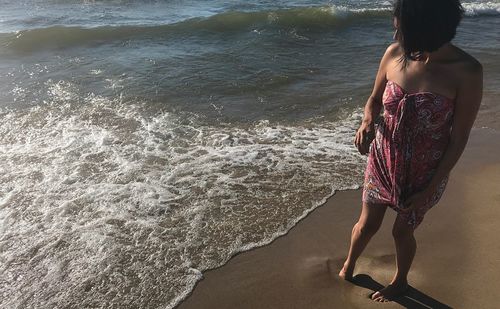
(105, 203)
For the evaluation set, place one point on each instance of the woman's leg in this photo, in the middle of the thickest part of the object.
(406, 247)
(368, 224)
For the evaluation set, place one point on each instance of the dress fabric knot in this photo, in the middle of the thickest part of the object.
(402, 138)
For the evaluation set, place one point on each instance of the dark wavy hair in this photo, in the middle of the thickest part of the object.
(425, 25)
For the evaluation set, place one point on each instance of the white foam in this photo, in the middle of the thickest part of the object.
(472, 9)
(104, 202)
(481, 9)
(345, 11)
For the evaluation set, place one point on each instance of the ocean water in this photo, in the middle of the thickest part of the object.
(143, 142)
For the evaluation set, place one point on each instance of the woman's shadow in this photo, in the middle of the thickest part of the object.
(413, 298)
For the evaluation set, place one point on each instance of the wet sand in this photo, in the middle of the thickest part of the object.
(457, 262)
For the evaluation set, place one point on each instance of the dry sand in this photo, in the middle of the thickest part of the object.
(457, 262)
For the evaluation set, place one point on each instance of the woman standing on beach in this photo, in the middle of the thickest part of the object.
(431, 91)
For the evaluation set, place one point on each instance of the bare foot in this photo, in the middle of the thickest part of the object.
(390, 292)
(346, 272)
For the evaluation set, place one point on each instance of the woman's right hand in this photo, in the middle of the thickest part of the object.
(364, 137)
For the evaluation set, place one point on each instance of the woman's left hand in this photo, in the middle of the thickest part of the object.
(416, 200)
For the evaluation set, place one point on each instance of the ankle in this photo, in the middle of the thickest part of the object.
(348, 264)
(399, 282)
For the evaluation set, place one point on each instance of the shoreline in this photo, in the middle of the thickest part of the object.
(299, 269)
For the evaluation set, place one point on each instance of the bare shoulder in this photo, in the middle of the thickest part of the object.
(393, 51)
(467, 68)
(394, 47)
(469, 72)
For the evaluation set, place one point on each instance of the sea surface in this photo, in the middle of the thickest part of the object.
(143, 142)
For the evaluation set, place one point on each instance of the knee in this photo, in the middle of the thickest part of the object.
(402, 232)
(365, 228)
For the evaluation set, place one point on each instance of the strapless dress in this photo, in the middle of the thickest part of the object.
(408, 146)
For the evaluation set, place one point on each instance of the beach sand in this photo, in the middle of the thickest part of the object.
(457, 262)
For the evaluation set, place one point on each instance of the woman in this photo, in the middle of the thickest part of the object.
(431, 91)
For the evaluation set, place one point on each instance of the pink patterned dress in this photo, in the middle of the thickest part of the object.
(407, 149)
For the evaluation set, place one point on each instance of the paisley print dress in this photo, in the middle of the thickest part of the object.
(408, 146)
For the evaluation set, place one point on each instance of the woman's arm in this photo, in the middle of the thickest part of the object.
(467, 104)
(373, 106)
